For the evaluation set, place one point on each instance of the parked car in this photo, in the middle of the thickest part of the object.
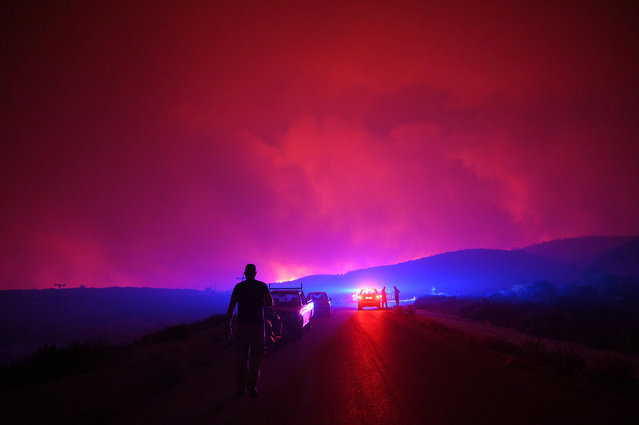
(322, 302)
(368, 298)
(293, 308)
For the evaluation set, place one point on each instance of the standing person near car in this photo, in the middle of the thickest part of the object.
(251, 296)
(384, 299)
(396, 296)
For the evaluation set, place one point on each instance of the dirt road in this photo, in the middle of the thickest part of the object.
(379, 367)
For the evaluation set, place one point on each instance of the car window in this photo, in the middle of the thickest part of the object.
(286, 300)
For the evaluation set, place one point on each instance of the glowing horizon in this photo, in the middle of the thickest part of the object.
(168, 147)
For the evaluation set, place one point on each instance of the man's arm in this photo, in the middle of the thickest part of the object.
(268, 299)
(229, 316)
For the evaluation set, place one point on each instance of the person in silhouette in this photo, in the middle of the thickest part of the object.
(384, 299)
(396, 296)
(251, 296)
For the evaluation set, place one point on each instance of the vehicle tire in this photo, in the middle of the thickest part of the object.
(359, 307)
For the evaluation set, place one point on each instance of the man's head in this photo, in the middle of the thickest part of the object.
(250, 271)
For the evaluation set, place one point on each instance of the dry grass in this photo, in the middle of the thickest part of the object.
(606, 371)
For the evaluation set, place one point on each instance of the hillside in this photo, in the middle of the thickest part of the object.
(460, 272)
(478, 271)
(623, 260)
(579, 251)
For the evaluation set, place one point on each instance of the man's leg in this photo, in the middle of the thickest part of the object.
(241, 356)
(257, 355)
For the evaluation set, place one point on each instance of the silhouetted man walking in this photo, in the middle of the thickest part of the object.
(251, 296)
(384, 299)
(396, 296)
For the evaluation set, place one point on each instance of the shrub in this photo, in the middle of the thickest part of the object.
(171, 333)
(567, 361)
(50, 363)
(504, 346)
(610, 371)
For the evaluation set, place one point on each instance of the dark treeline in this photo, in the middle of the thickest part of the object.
(602, 311)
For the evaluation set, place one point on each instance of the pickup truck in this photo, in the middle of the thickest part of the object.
(293, 308)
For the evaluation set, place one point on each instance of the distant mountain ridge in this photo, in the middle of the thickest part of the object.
(478, 271)
(454, 273)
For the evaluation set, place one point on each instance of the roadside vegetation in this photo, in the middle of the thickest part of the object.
(607, 371)
(602, 311)
(52, 363)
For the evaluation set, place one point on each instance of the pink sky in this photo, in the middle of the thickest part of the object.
(169, 145)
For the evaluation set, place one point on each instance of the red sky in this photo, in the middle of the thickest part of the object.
(168, 146)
